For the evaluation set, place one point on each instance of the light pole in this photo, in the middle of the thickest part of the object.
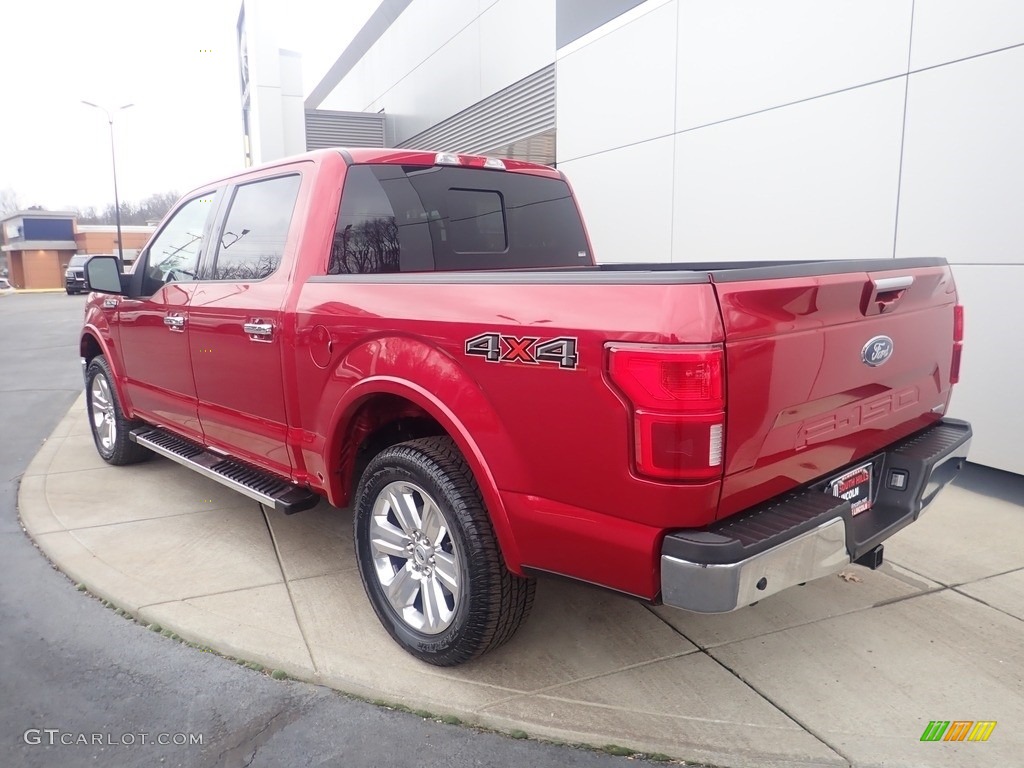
(113, 163)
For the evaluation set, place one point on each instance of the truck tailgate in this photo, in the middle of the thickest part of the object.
(811, 387)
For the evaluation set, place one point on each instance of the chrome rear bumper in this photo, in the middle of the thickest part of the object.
(806, 534)
(719, 588)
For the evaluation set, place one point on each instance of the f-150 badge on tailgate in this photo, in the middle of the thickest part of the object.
(501, 348)
(877, 351)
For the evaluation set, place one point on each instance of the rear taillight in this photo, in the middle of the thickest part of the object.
(958, 343)
(678, 399)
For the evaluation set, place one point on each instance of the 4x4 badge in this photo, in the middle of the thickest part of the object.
(502, 348)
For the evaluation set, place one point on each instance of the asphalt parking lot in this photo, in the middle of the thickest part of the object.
(849, 670)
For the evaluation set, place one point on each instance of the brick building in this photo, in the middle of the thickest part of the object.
(37, 245)
(102, 238)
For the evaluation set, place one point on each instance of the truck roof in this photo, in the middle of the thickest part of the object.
(366, 155)
(375, 155)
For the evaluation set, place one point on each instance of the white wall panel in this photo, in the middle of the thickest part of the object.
(422, 29)
(268, 131)
(447, 82)
(626, 199)
(517, 37)
(619, 89)
(816, 180)
(740, 56)
(963, 162)
(354, 92)
(991, 372)
(947, 30)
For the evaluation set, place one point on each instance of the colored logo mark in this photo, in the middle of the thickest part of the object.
(958, 730)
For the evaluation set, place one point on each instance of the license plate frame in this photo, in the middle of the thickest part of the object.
(856, 486)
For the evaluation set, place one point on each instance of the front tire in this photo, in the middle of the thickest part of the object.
(428, 556)
(109, 426)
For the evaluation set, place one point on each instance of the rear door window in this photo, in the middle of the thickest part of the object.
(255, 231)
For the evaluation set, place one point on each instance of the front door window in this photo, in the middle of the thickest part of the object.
(174, 253)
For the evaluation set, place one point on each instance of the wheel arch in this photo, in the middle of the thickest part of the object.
(381, 411)
(91, 345)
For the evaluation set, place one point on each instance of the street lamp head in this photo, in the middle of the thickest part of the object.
(104, 110)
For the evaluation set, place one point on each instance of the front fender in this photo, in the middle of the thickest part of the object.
(431, 380)
(95, 334)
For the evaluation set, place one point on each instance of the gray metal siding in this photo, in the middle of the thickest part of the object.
(524, 109)
(575, 18)
(326, 128)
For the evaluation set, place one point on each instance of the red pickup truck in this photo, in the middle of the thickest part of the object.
(427, 339)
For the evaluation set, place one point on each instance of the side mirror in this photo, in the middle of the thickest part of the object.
(103, 273)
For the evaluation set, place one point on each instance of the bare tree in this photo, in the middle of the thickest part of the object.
(8, 201)
(147, 211)
(372, 245)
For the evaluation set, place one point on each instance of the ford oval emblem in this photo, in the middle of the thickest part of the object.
(877, 351)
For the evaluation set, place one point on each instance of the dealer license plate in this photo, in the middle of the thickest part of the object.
(855, 487)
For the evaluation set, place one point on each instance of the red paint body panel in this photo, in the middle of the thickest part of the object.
(552, 447)
(809, 402)
(157, 361)
(239, 387)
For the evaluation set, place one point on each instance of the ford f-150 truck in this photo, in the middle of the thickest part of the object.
(427, 339)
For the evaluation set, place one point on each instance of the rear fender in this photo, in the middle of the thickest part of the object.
(434, 383)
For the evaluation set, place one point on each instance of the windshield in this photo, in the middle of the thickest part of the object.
(78, 261)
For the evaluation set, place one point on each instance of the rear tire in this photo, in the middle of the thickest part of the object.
(109, 426)
(428, 556)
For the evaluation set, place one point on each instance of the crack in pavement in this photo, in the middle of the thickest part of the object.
(707, 652)
(240, 755)
(288, 589)
(987, 604)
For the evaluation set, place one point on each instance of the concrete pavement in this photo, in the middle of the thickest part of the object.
(840, 672)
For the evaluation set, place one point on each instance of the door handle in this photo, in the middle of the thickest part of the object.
(174, 322)
(884, 293)
(889, 290)
(258, 331)
(887, 284)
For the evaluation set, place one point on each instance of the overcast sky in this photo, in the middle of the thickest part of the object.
(175, 61)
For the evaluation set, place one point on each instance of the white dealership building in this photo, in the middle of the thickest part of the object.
(731, 130)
